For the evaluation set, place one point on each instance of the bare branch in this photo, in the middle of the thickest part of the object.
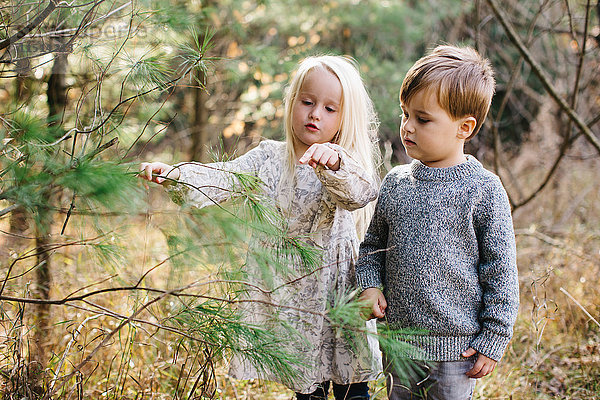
(30, 26)
(566, 143)
(539, 72)
(108, 337)
(498, 154)
(580, 306)
(533, 232)
(8, 209)
(571, 28)
(581, 60)
(567, 136)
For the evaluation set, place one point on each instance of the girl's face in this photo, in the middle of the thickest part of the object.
(317, 111)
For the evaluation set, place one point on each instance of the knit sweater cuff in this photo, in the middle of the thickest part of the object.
(490, 344)
(368, 279)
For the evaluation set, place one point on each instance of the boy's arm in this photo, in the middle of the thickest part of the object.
(370, 265)
(350, 186)
(497, 271)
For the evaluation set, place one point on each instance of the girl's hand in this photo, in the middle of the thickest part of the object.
(321, 154)
(158, 172)
(375, 301)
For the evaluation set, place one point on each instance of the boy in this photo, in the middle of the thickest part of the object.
(441, 243)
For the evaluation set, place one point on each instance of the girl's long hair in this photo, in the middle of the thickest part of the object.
(359, 124)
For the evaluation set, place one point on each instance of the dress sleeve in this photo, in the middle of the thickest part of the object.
(497, 272)
(351, 187)
(370, 266)
(201, 185)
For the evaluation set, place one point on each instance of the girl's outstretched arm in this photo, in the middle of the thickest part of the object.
(200, 185)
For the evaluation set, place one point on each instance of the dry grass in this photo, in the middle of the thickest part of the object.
(555, 352)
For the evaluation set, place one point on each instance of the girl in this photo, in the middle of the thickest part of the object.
(322, 178)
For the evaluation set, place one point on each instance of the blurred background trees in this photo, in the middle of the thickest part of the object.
(91, 88)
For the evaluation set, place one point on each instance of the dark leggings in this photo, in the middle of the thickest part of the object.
(353, 391)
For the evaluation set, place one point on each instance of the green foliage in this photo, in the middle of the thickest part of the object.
(244, 246)
(218, 325)
(248, 228)
(216, 241)
(33, 170)
(193, 51)
(106, 183)
(27, 128)
(149, 71)
(347, 316)
(400, 353)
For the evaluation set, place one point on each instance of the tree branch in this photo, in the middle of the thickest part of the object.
(30, 26)
(498, 153)
(539, 72)
(8, 209)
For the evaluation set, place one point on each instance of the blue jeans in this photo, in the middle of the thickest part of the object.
(353, 391)
(444, 380)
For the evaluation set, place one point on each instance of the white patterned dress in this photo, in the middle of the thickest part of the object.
(318, 205)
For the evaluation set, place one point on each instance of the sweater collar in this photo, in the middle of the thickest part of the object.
(424, 173)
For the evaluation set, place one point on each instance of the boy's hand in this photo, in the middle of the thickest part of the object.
(376, 300)
(321, 154)
(158, 172)
(483, 366)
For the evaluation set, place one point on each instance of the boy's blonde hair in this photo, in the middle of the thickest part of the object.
(462, 80)
(359, 123)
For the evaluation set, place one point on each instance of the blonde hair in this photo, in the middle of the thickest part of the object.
(462, 80)
(359, 124)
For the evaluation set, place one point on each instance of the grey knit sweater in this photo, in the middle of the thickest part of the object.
(450, 264)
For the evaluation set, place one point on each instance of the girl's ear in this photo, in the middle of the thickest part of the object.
(466, 127)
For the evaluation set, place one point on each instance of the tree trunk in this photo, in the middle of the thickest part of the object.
(22, 70)
(57, 100)
(18, 223)
(57, 90)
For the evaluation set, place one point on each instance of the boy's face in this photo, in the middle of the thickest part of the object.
(430, 135)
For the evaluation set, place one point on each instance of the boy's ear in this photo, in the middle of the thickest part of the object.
(466, 127)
